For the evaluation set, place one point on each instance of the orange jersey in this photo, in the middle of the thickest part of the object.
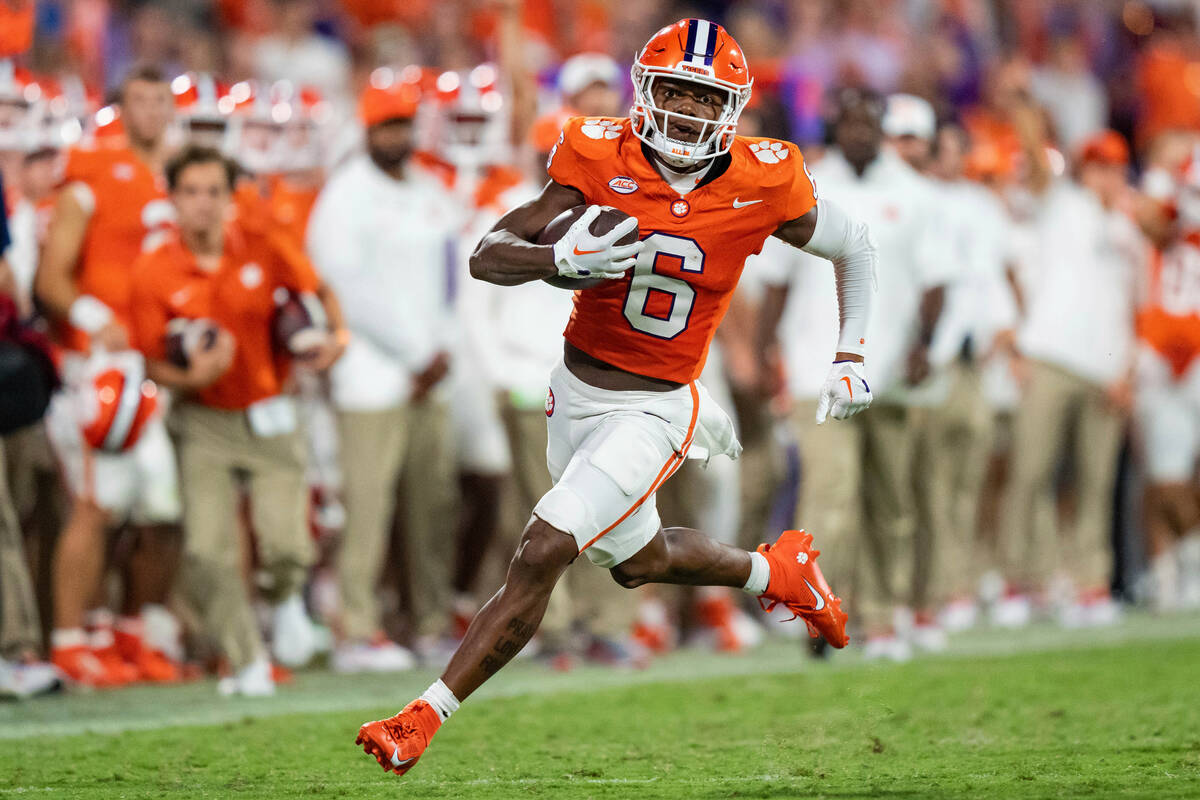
(284, 207)
(16, 27)
(238, 296)
(659, 319)
(291, 204)
(1169, 321)
(129, 209)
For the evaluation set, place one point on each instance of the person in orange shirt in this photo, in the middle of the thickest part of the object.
(111, 203)
(233, 423)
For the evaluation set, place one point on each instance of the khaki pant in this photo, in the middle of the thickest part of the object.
(218, 455)
(1055, 403)
(587, 595)
(404, 452)
(20, 630)
(856, 500)
(951, 452)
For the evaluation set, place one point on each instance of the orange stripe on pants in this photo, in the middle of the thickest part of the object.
(668, 469)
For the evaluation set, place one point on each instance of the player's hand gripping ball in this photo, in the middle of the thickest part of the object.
(591, 244)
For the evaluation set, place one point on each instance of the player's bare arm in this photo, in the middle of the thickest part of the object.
(509, 255)
(54, 283)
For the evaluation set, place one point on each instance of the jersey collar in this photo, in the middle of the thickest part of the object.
(719, 166)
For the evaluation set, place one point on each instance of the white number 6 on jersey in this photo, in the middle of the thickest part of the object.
(646, 283)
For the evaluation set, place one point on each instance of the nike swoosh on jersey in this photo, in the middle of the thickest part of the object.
(738, 203)
(820, 600)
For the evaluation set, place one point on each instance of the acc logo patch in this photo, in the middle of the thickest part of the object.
(623, 184)
(769, 152)
(549, 402)
(601, 129)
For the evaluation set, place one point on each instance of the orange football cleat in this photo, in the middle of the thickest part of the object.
(80, 665)
(120, 672)
(152, 665)
(397, 742)
(796, 582)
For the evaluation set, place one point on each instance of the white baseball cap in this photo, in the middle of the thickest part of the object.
(582, 70)
(909, 115)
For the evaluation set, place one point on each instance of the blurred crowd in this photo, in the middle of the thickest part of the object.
(256, 414)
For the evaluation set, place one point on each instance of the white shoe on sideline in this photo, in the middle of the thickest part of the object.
(37, 678)
(377, 656)
(293, 640)
(887, 648)
(928, 637)
(161, 631)
(252, 680)
(958, 616)
(1013, 611)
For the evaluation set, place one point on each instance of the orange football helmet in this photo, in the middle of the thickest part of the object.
(697, 51)
(116, 401)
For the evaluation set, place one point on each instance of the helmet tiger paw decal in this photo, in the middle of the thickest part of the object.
(769, 152)
(601, 129)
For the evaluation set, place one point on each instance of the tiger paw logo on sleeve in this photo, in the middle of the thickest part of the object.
(769, 152)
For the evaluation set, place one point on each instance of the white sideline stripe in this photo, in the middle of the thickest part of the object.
(559, 781)
(200, 706)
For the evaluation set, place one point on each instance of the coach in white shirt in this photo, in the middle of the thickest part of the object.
(382, 234)
(1077, 336)
(867, 462)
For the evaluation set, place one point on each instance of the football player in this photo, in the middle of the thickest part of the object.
(112, 204)
(1167, 398)
(624, 408)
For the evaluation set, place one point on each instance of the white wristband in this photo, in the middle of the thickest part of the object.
(88, 314)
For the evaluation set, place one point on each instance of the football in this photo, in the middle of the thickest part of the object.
(188, 336)
(609, 218)
(300, 323)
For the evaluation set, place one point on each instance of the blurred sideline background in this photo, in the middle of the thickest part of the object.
(1031, 459)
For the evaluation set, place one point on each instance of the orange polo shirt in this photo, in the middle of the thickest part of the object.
(238, 296)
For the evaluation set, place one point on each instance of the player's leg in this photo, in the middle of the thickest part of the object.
(211, 578)
(685, 557)
(1170, 432)
(484, 462)
(502, 627)
(279, 513)
(1027, 552)
(153, 562)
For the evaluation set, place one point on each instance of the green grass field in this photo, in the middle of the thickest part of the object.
(1114, 713)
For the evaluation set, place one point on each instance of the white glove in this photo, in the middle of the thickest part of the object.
(844, 393)
(580, 254)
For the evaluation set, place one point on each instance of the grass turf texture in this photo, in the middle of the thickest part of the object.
(1103, 714)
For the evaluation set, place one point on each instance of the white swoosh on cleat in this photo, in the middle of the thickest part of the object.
(396, 762)
(820, 600)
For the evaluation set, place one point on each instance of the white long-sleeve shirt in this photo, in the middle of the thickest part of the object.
(1080, 290)
(386, 247)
